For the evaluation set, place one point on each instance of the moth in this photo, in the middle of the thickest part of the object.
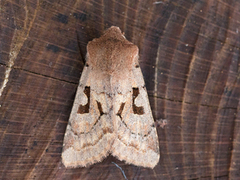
(111, 112)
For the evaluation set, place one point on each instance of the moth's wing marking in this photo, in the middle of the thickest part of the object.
(89, 134)
(136, 133)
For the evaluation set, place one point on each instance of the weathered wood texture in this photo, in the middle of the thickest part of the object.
(189, 55)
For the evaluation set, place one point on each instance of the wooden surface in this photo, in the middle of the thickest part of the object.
(189, 55)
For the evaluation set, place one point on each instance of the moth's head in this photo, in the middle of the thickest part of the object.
(113, 33)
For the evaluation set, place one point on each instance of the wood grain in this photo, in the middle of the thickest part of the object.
(189, 55)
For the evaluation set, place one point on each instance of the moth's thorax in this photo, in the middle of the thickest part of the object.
(111, 59)
(112, 53)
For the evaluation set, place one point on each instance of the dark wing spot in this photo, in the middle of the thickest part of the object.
(119, 113)
(100, 108)
(85, 108)
(136, 110)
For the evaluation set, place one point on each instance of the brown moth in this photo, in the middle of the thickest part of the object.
(111, 112)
